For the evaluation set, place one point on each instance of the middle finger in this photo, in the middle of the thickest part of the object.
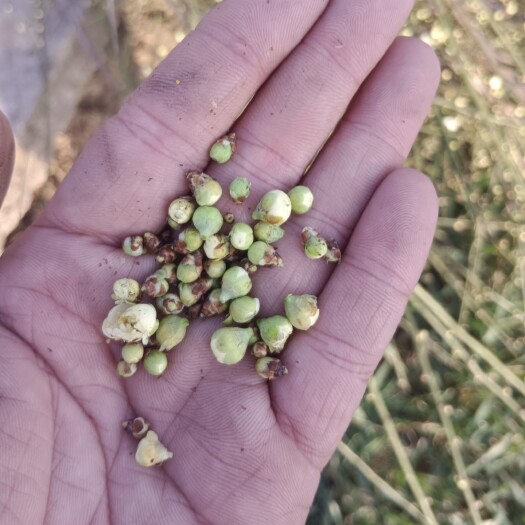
(294, 113)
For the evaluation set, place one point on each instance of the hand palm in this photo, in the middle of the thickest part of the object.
(245, 451)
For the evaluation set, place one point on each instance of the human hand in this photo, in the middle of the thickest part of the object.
(245, 451)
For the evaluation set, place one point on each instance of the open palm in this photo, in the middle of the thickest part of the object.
(245, 451)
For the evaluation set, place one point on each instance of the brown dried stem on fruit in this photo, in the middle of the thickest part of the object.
(137, 427)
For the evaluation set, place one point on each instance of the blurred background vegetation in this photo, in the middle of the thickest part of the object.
(439, 437)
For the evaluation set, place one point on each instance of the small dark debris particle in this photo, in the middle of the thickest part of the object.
(49, 349)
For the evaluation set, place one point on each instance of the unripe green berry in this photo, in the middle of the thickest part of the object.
(267, 232)
(181, 210)
(133, 245)
(241, 236)
(223, 149)
(262, 254)
(215, 268)
(189, 241)
(240, 189)
(275, 331)
(301, 198)
(155, 285)
(208, 220)
(213, 306)
(244, 309)
(125, 290)
(270, 368)
(126, 369)
(315, 246)
(132, 353)
(301, 310)
(229, 344)
(275, 208)
(191, 293)
(170, 304)
(171, 331)
(235, 283)
(155, 362)
(217, 247)
(190, 268)
(206, 190)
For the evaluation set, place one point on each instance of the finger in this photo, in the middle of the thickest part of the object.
(360, 309)
(126, 175)
(294, 113)
(373, 139)
(7, 155)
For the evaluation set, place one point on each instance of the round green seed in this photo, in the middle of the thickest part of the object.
(155, 363)
(301, 198)
(241, 236)
(208, 220)
(132, 353)
(215, 268)
(244, 309)
(240, 189)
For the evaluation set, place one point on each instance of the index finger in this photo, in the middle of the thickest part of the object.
(166, 127)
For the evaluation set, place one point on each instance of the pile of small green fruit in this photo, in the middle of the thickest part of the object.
(205, 272)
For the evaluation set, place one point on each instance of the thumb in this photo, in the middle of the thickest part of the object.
(7, 155)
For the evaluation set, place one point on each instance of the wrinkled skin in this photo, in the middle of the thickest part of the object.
(245, 451)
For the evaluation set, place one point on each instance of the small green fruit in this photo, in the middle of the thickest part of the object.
(235, 283)
(241, 236)
(244, 309)
(208, 220)
(301, 198)
(223, 149)
(275, 331)
(132, 353)
(171, 331)
(240, 189)
(229, 344)
(301, 310)
(155, 362)
(275, 208)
